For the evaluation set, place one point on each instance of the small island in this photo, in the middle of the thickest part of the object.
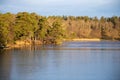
(26, 28)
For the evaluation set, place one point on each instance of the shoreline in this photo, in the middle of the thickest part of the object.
(20, 44)
(88, 39)
(23, 43)
(83, 39)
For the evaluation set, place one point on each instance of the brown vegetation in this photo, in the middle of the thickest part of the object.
(31, 27)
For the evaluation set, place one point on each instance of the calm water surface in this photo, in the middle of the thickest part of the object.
(69, 61)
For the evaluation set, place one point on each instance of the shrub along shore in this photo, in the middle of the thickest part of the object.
(20, 44)
(26, 28)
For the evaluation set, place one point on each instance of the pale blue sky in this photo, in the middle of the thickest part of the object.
(90, 8)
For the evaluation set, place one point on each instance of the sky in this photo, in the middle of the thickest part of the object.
(89, 8)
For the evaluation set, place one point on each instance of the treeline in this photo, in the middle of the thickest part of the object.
(52, 29)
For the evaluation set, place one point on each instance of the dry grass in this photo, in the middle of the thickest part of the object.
(83, 39)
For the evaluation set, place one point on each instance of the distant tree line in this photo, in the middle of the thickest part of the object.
(52, 29)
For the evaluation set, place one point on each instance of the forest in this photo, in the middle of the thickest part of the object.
(53, 29)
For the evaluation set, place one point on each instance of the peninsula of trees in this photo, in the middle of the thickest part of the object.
(25, 26)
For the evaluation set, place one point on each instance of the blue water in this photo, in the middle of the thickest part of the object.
(69, 61)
